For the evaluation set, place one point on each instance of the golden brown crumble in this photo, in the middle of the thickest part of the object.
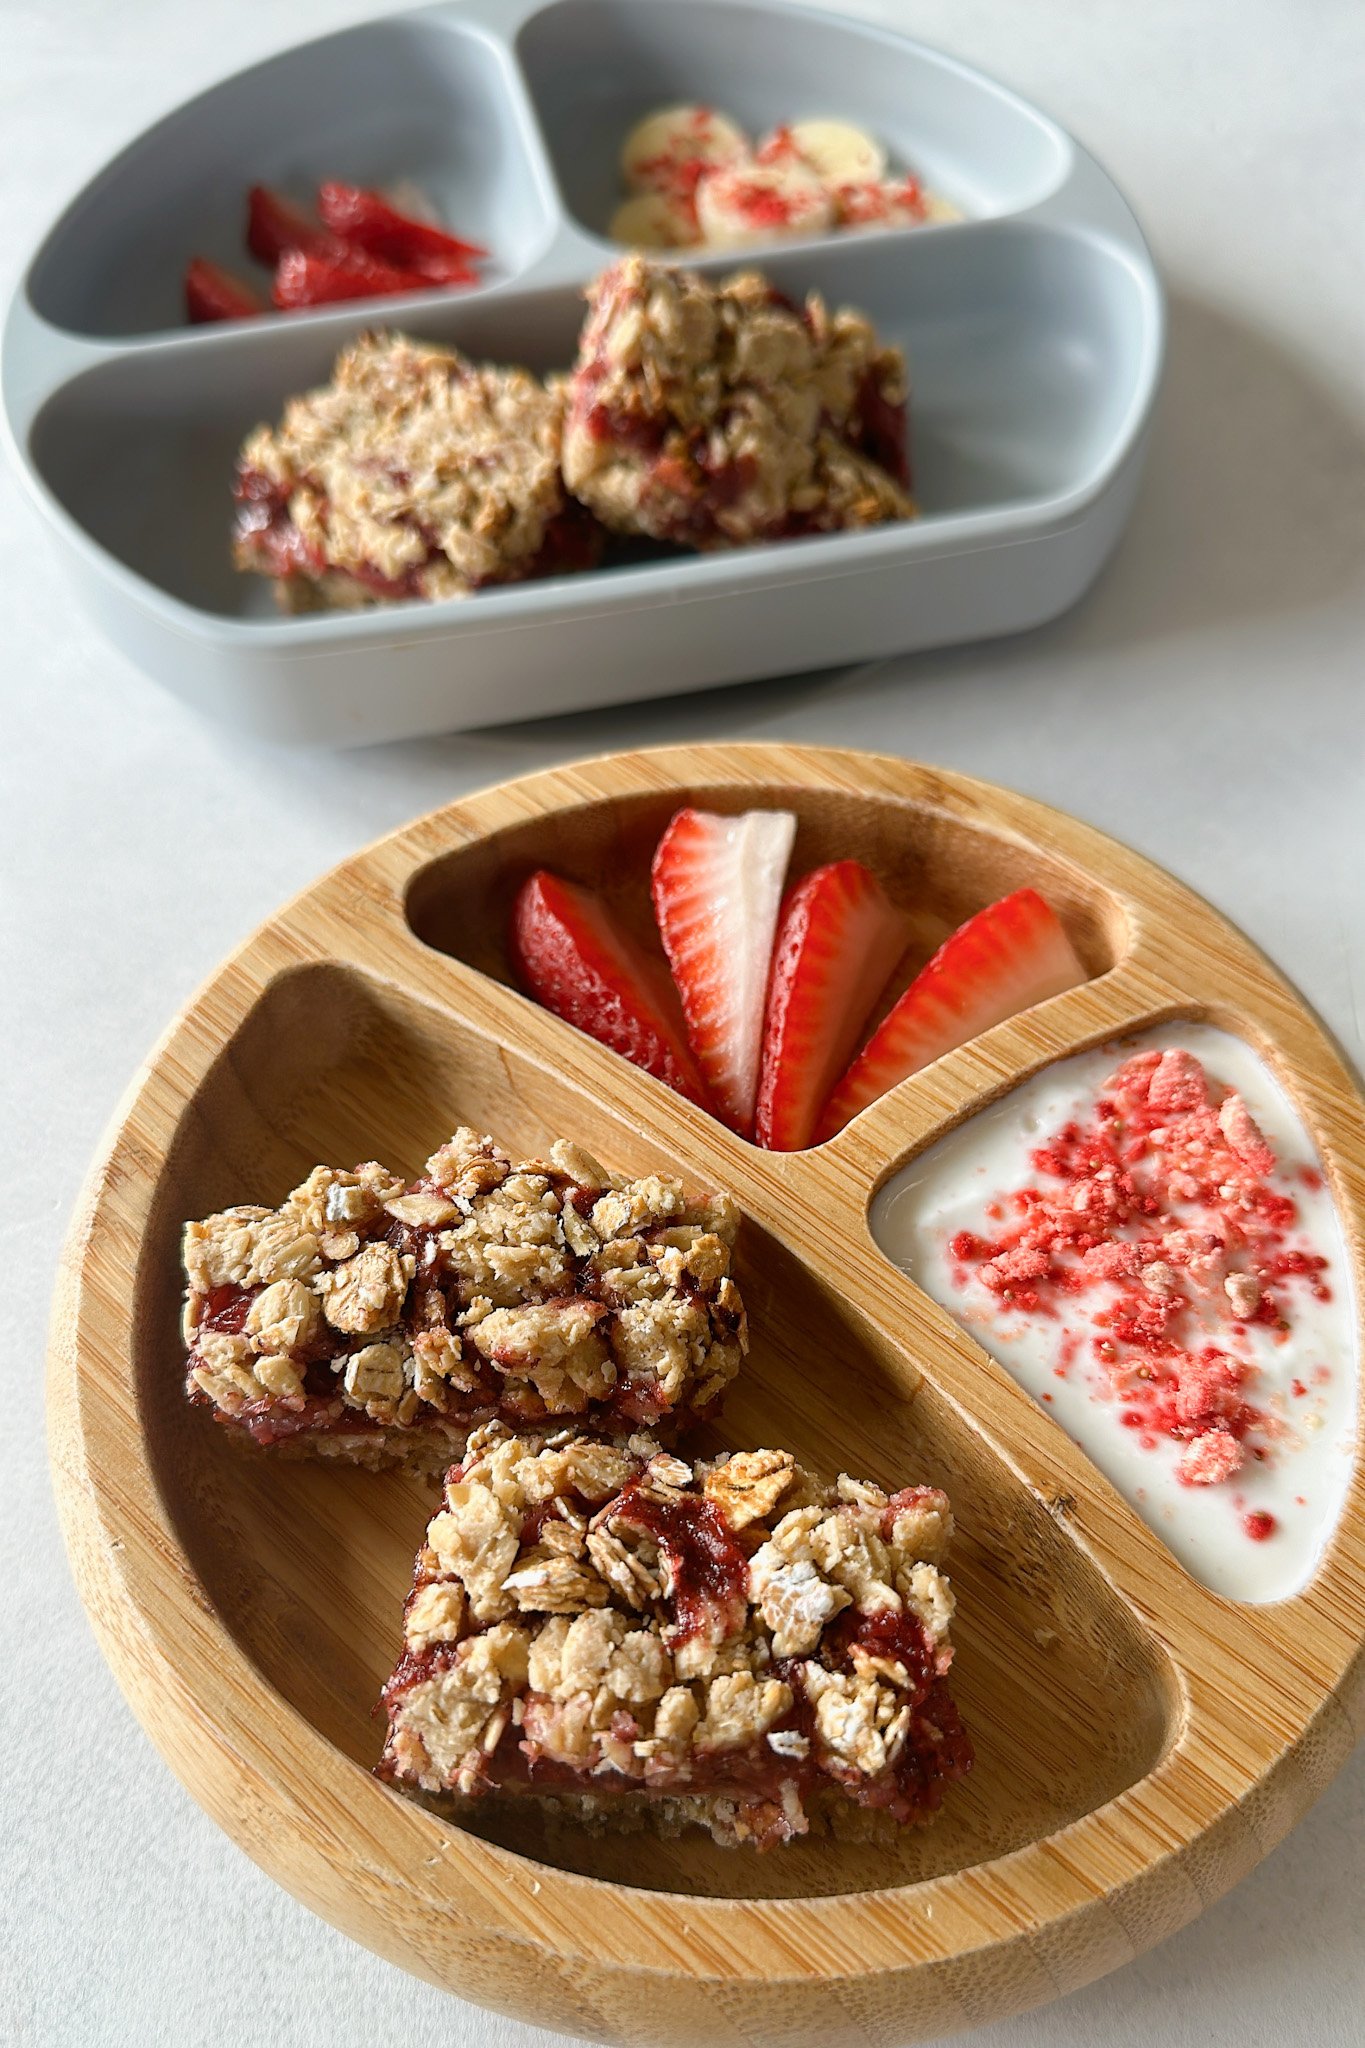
(413, 473)
(718, 414)
(365, 1304)
(609, 1618)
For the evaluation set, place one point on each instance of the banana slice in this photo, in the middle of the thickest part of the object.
(672, 141)
(836, 151)
(895, 203)
(749, 203)
(654, 220)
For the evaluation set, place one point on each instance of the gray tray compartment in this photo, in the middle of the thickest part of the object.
(112, 265)
(140, 451)
(1018, 337)
(593, 67)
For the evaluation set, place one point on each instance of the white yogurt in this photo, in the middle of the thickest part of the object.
(1303, 1482)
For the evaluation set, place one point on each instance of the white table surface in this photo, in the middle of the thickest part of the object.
(1204, 703)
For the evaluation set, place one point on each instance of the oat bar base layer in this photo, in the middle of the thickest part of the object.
(639, 1640)
(728, 1818)
(369, 1318)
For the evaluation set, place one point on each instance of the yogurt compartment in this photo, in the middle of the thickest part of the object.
(1254, 1532)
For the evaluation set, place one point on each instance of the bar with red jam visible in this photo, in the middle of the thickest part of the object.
(712, 414)
(413, 474)
(633, 1640)
(376, 1320)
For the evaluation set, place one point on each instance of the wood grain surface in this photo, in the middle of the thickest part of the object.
(1141, 1742)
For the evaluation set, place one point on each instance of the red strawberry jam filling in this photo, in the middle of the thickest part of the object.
(708, 1573)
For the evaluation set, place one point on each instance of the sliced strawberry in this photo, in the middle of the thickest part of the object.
(837, 943)
(212, 293)
(306, 279)
(717, 891)
(368, 221)
(573, 958)
(274, 224)
(1008, 957)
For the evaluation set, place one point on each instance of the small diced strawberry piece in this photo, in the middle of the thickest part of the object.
(838, 942)
(366, 220)
(212, 293)
(274, 224)
(573, 957)
(717, 885)
(1008, 957)
(304, 279)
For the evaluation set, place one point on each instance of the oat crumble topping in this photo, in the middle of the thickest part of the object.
(413, 473)
(718, 414)
(367, 1314)
(730, 1643)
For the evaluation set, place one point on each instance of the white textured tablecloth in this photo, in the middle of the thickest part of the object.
(1205, 704)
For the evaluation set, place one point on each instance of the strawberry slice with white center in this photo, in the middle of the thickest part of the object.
(717, 892)
(367, 221)
(573, 957)
(1008, 957)
(838, 942)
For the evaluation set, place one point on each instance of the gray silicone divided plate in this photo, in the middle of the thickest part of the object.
(1033, 329)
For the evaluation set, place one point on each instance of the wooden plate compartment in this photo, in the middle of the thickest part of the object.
(1133, 1759)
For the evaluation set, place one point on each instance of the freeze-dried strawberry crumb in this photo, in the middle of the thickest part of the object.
(678, 177)
(1236, 1124)
(1156, 1214)
(1110, 1262)
(1175, 1083)
(764, 206)
(1211, 1458)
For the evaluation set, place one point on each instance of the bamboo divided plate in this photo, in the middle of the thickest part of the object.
(1137, 1753)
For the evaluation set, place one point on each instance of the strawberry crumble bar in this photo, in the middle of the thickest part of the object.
(715, 414)
(413, 473)
(373, 1319)
(635, 1640)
